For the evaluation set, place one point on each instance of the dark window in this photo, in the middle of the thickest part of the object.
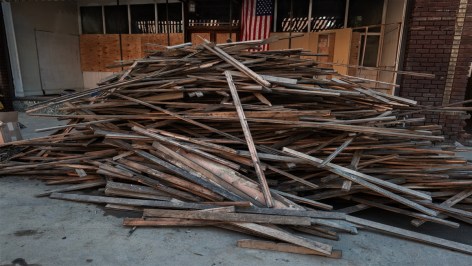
(328, 14)
(116, 19)
(360, 15)
(332, 8)
(296, 22)
(371, 50)
(216, 10)
(143, 18)
(174, 24)
(91, 18)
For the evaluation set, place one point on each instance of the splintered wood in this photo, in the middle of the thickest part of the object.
(255, 142)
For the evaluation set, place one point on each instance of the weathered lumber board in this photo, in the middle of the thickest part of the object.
(422, 238)
(284, 247)
(229, 217)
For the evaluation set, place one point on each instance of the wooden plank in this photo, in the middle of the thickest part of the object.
(228, 217)
(262, 98)
(183, 146)
(318, 233)
(284, 247)
(291, 212)
(422, 238)
(73, 187)
(250, 142)
(406, 212)
(334, 224)
(166, 222)
(394, 132)
(372, 179)
(75, 125)
(229, 59)
(131, 202)
(175, 181)
(448, 203)
(287, 237)
(365, 183)
(337, 151)
(181, 172)
(250, 188)
(304, 200)
(295, 178)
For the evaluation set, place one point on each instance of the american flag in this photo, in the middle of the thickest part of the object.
(256, 19)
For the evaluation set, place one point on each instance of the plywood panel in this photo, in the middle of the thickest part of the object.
(303, 42)
(176, 38)
(354, 56)
(342, 49)
(149, 41)
(281, 44)
(196, 40)
(97, 51)
(90, 51)
(131, 46)
(139, 45)
(223, 37)
(152, 42)
(325, 46)
(111, 53)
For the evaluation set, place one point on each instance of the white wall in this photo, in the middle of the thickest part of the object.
(59, 17)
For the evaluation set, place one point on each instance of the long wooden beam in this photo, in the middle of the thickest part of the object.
(250, 141)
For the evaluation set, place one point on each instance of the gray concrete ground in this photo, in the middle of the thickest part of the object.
(44, 231)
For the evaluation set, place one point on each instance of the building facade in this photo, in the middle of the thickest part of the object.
(431, 36)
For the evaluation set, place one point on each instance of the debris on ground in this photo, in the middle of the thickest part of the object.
(255, 142)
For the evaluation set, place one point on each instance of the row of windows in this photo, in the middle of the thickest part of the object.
(291, 15)
(121, 19)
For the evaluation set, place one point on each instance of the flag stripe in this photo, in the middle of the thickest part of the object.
(255, 27)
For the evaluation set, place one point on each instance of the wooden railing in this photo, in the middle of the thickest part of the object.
(211, 23)
(175, 26)
(300, 24)
(149, 26)
(146, 26)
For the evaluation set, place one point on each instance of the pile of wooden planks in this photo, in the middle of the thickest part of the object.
(255, 142)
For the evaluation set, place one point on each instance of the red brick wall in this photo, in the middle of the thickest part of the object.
(430, 38)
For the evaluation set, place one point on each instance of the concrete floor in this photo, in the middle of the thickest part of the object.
(44, 231)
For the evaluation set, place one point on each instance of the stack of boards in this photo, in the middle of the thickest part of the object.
(259, 142)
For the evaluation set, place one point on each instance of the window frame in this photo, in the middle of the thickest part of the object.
(128, 3)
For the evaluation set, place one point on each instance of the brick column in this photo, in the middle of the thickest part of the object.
(437, 43)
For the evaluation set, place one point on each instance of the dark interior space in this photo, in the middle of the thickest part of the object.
(6, 84)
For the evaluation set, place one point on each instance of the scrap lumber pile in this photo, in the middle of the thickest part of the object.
(256, 142)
